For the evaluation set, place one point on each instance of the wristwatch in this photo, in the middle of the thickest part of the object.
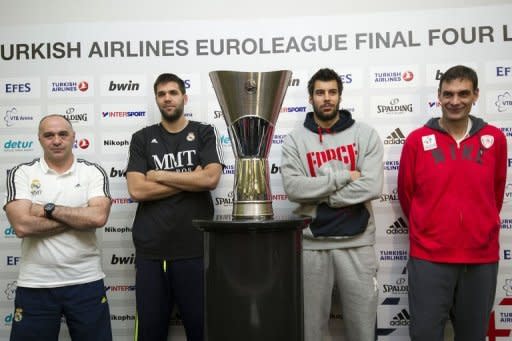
(48, 210)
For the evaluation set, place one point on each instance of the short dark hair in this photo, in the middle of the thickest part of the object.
(170, 77)
(324, 75)
(459, 72)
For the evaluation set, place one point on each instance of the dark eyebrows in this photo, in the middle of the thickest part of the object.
(171, 92)
(465, 92)
(61, 133)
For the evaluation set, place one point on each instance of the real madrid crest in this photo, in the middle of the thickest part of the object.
(18, 314)
(35, 187)
(487, 141)
(191, 137)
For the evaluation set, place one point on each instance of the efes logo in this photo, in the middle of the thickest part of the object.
(504, 102)
(346, 78)
(17, 87)
(12, 260)
(35, 187)
(503, 71)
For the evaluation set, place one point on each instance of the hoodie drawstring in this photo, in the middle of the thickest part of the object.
(323, 130)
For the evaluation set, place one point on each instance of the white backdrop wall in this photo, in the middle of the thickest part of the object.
(100, 74)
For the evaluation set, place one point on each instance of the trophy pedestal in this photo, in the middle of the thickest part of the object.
(253, 279)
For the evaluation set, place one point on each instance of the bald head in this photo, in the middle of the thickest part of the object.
(42, 121)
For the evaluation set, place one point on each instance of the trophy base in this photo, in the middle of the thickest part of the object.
(252, 209)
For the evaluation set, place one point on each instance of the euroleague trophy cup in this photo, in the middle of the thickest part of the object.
(252, 261)
(251, 102)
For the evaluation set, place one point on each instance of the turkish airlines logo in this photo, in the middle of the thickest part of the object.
(83, 86)
(408, 76)
(82, 143)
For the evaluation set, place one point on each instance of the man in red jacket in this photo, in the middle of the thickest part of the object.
(451, 183)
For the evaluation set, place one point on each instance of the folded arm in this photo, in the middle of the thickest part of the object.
(368, 185)
(201, 179)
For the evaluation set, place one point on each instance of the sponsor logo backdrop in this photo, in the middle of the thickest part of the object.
(101, 78)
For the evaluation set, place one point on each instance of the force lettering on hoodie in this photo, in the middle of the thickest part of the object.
(346, 154)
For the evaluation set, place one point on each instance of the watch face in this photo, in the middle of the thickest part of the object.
(48, 209)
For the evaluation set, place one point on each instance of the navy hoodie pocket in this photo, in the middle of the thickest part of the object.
(341, 221)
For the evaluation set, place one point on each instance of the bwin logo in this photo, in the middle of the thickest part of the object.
(400, 319)
(130, 86)
(114, 173)
(123, 260)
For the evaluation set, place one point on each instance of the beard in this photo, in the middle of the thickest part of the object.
(326, 117)
(178, 112)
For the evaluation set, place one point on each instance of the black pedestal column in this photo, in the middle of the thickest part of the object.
(253, 279)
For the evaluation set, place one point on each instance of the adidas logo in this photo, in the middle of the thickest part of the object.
(400, 319)
(154, 141)
(398, 227)
(396, 137)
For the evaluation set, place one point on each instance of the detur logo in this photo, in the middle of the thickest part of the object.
(18, 145)
(9, 232)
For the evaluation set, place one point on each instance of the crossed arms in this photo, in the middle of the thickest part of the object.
(28, 219)
(158, 184)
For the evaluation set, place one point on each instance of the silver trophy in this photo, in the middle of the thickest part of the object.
(251, 102)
